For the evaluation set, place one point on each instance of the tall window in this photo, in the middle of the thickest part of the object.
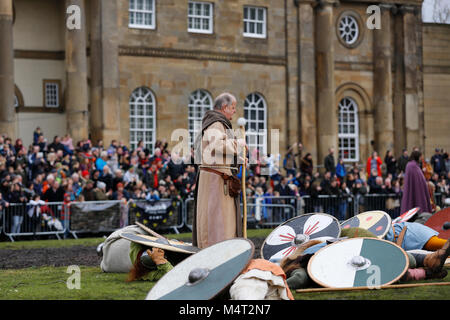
(51, 93)
(256, 125)
(142, 118)
(348, 130)
(200, 17)
(200, 101)
(255, 22)
(141, 14)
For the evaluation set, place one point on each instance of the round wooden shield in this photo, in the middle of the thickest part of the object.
(406, 215)
(440, 222)
(377, 222)
(358, 262)
(165, 244)
(205, 274)
(285, 238)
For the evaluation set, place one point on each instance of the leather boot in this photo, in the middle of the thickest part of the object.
(434, 261)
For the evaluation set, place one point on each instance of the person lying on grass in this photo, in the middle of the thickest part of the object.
(421, 266)
(148, 263)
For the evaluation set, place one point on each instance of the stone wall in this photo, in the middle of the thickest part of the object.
(173, 80)
(436, 60)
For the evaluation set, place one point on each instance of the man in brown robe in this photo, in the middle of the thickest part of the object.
(217, 214)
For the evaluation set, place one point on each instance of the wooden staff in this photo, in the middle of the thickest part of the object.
(147, 229)
(392, 286)
(241, 123)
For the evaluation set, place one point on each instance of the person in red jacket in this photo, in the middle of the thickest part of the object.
(374, 162)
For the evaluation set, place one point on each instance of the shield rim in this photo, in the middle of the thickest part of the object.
(415, 208)
(302, 215)
(156, 244)
(338, 242)
(252, 253)
(441, 231)
(384, 212)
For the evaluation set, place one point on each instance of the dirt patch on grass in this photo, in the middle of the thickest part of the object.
(56, 257)
(59, 257)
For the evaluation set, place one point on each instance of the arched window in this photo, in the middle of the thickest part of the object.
(142, 118)
(200, 101)
(348, 130)
(255, 112)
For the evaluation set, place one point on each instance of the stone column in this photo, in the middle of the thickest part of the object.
(7, 111)
(412, 47)
(105, 117)
(307, 78)
(76, 72)
(327, 111)
(399, 86)
(382, 91)
(293, 119)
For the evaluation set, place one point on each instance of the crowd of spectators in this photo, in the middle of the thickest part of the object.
(61, 171)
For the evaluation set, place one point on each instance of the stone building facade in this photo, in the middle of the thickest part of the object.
(313, 70)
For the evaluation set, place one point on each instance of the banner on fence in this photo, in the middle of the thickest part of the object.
(155, 214)
(93, 217)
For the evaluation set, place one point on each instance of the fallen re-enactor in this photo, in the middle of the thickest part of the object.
(115, 250)
(148, 263)
(261, 280)
(140, 262)
(421, 266)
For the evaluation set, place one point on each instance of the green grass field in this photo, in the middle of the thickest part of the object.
(50, 283)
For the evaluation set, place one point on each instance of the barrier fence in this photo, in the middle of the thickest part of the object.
(64, 219)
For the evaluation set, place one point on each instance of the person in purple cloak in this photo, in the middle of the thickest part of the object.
(415, 188)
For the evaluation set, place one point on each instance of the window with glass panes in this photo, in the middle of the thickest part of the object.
(142, 118)
(255, 22)
(256, 122)
(348, 130)
(200, 101)
(200, 17)
(51, 90)
(141, 14)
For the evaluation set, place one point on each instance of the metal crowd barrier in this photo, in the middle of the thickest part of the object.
(390, 203)
(258, 214)
(342, 208)
(22, 220)
(61, 219)
(268, 215)
(95, 216)
(160, 215)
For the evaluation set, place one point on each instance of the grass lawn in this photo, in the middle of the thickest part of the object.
(50, 283)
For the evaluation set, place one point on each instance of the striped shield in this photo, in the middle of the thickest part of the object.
(358, 262)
